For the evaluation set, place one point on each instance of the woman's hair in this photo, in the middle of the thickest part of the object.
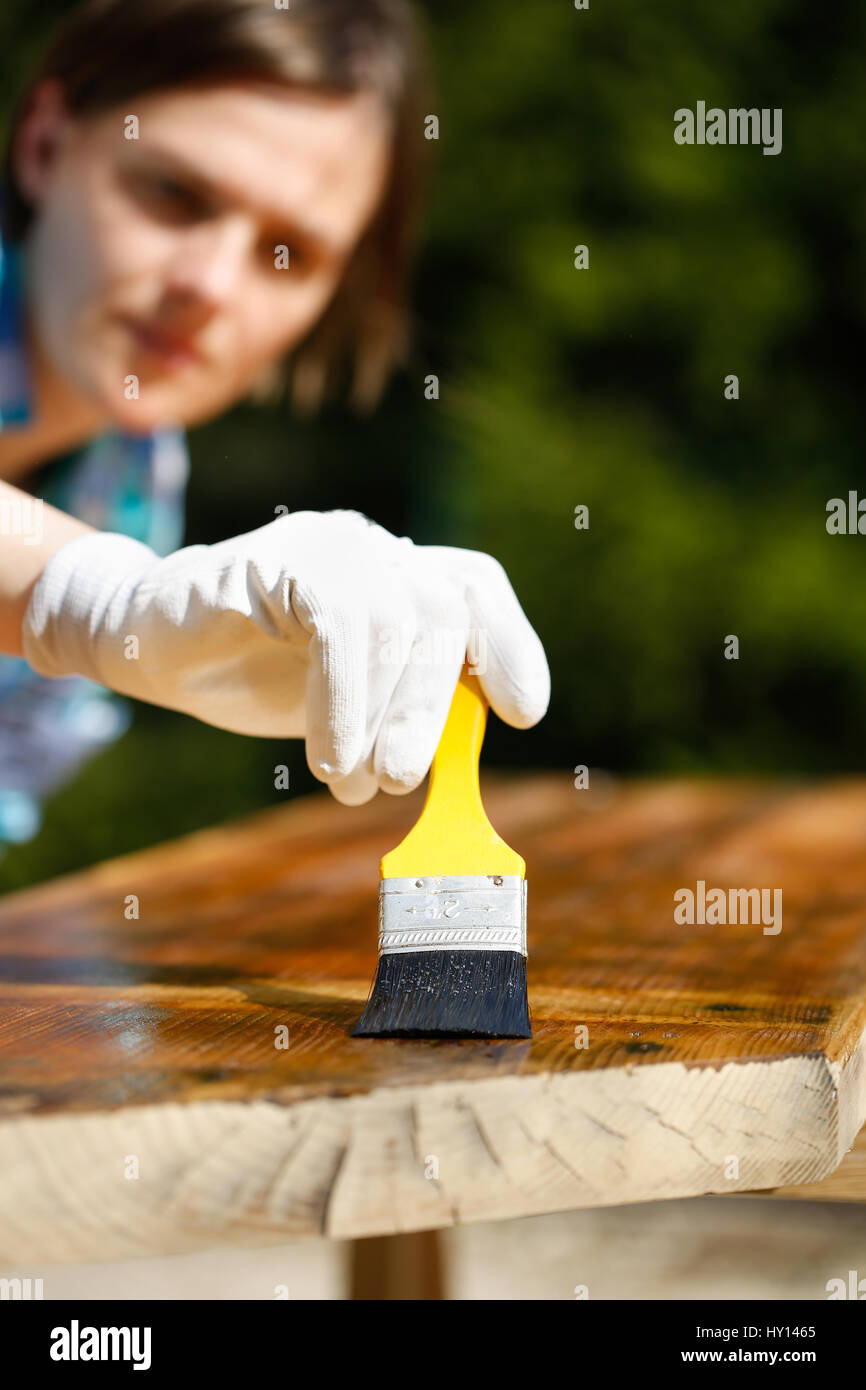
(110, 51)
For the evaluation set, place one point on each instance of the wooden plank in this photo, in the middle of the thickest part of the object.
(718, 1058)
(847, 1183)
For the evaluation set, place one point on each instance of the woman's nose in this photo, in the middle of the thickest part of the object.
(211, 262)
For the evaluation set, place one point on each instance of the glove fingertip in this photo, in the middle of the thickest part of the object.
(400, 785)
(522, 708)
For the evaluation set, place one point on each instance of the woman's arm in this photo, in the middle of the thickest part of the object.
(30, 533)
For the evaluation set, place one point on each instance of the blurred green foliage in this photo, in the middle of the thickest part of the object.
(601, 387)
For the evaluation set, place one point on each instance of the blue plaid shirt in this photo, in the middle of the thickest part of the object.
(127, 483)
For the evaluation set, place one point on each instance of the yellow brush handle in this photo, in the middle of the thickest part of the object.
(453, 835)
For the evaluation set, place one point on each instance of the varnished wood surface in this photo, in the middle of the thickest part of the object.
(272, 921)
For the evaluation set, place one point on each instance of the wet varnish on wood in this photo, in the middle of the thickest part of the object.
(718, 1058)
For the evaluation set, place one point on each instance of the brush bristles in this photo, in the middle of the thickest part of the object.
(473, 994)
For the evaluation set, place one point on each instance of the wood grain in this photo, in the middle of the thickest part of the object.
(155, 1037)
(847, 1183)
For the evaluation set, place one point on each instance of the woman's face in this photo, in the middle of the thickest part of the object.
(157, 264)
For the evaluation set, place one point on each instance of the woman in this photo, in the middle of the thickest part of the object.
(195, 190)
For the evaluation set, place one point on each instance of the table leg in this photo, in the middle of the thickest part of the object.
(406, 1266)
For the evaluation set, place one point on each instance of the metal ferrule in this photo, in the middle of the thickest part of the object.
(486, 912)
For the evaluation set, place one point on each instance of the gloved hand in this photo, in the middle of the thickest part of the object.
(319, 625)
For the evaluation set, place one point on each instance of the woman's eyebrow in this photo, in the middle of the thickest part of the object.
(291, 228)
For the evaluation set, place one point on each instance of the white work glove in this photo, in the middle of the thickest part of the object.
(320, 625)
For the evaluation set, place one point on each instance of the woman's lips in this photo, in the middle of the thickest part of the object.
(172, 349)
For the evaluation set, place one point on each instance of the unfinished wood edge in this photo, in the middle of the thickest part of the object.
(409, 1158)
(843, 1182)
(850, 1077)
(603, 1138)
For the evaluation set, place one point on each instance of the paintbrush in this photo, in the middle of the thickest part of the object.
(452, 906)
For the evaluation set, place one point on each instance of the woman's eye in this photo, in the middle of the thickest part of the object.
(170, 189)
(167, 198)
(176, 196)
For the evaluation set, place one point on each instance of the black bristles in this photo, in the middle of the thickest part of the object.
(434, 994)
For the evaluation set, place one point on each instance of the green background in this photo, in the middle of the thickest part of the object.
(601, 387)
